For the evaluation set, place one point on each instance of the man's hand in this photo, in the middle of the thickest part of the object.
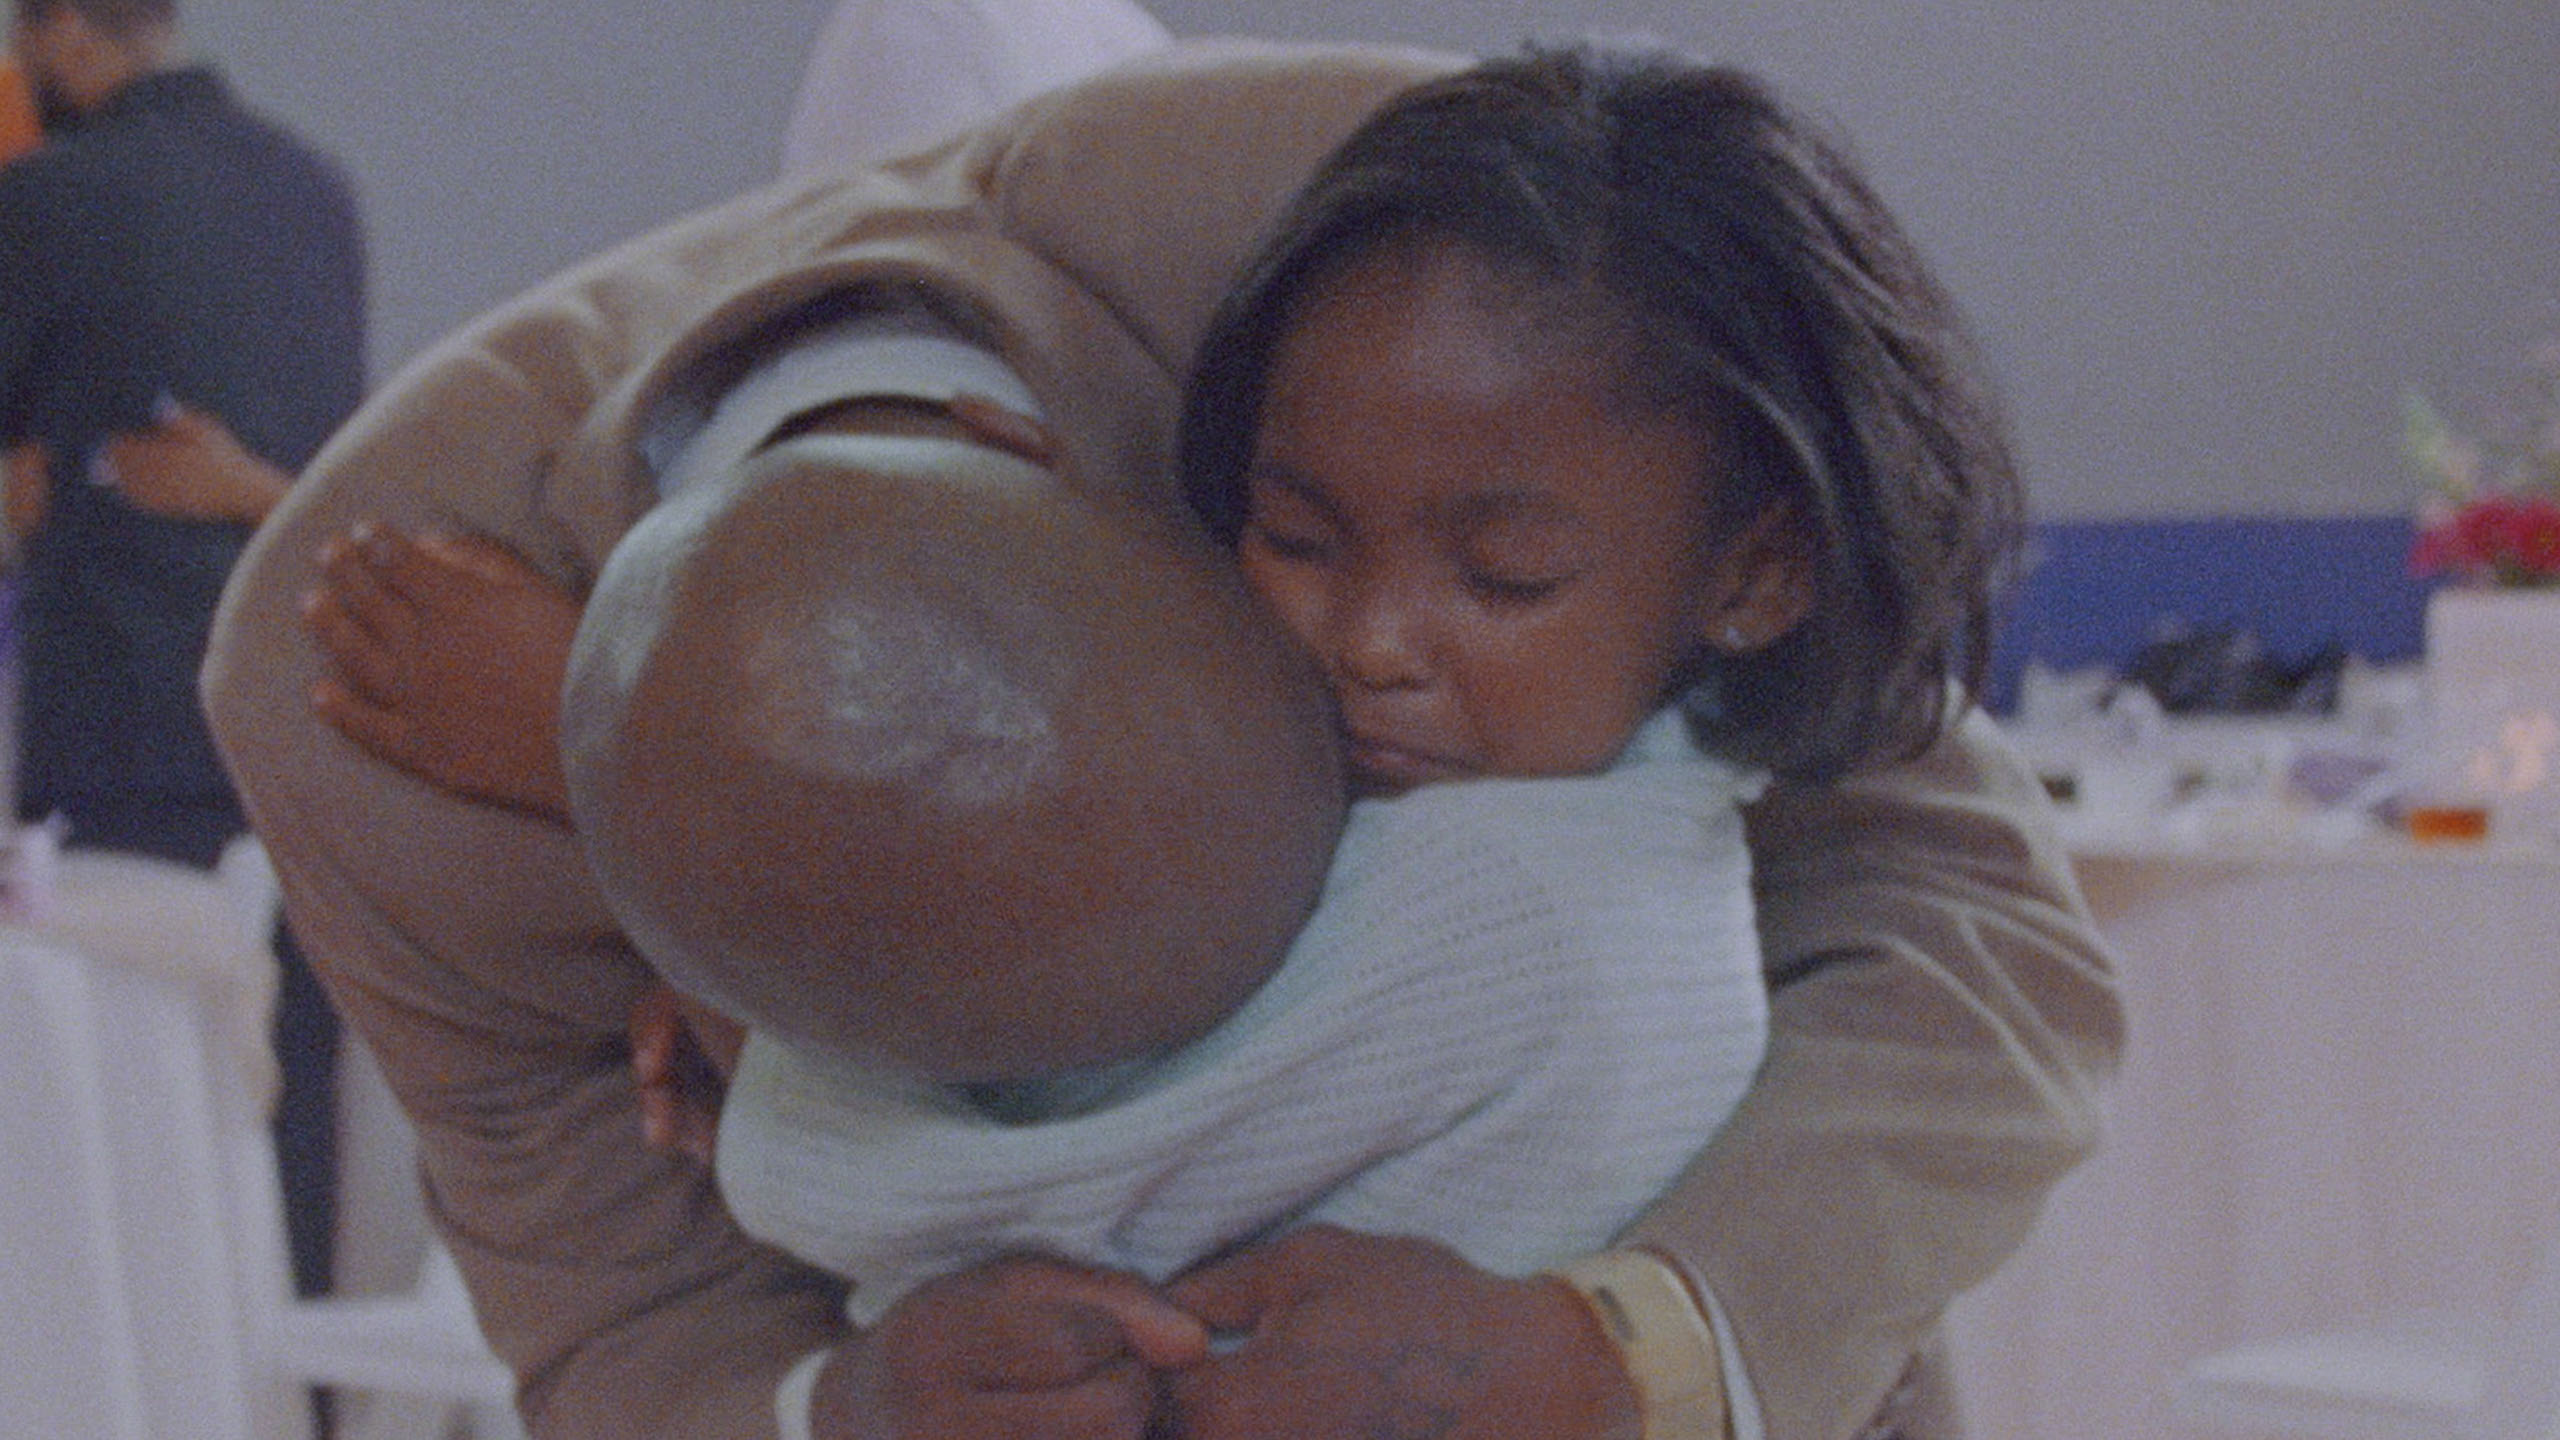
(190, 466)
(446, 656)
(23, 492)
(1357, 1337)
(1019, 1349)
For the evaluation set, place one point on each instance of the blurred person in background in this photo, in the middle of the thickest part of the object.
(20, 130)
(171, 256)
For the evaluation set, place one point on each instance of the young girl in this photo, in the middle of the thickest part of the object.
(1589, 425)
(1645, 259)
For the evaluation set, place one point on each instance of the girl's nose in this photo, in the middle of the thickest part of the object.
(1378, 638)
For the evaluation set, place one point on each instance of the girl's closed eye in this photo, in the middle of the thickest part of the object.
(1519, 560)
(1508, 586)
(1297, 545)
(1286, 524)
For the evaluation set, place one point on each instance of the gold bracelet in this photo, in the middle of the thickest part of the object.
(1646, 1309)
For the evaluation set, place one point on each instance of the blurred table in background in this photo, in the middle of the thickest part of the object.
(2341, 1097)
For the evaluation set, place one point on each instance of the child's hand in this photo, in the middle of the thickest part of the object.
(1021, 1347)
(446, 656)
(682, 1055)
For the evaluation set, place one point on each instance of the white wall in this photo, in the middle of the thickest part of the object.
(2208, 242)
(495, 141)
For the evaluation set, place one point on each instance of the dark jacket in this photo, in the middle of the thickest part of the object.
(171, 247)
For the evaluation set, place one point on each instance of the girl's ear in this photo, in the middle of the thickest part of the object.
(1760, 583)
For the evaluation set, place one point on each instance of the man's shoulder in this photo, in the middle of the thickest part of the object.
(1151, 182)
(189, 118)
(1198, 122)
(227, 123)
(290, 158)
(1225, 83)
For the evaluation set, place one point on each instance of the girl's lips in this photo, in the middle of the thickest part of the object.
(1380, 767)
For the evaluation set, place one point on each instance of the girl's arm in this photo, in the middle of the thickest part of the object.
(445, 657)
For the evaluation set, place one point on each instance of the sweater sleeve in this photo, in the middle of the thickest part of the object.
(464, 943)
(1943, 1016)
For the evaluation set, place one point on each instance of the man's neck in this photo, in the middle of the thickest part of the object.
(116, 68)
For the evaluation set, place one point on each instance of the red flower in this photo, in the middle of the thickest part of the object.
(2536, 539)
(2498, 538)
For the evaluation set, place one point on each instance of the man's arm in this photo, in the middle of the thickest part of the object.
(23, 255)
(25, 469)
(1943, 1014)
(25, 259)
(465, 942)
(24, 475)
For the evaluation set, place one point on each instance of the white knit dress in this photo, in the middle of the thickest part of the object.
(1520, 1009)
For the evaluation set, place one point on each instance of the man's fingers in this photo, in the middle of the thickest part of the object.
(1239, 1397)
(132, 453)
(1117, 1402)
(1164, 1338)
(1107, 1328)
(1120, 1314)
(1232, 1295)
(679, 1091)
(1037, 1344)
(657, 1118)
(709, 1038)
(364, 669)
(673, 1121)
(1033, 1323)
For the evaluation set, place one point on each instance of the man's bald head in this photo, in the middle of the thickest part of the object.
(898, 748)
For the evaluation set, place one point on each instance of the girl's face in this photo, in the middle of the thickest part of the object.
(1498, 570)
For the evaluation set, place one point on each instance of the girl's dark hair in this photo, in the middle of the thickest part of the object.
(1744, 278)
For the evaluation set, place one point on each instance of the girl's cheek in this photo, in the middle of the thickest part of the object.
(1291, 599)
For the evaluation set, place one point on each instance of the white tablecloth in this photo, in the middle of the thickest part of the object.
(2342, 1098)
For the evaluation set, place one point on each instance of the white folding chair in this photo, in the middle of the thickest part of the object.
(74, 1342)
(147, 1293)
(410, 1366)
(414, 1364)
(2415, 1378)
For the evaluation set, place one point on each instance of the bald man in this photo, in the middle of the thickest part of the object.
(1942, 1009)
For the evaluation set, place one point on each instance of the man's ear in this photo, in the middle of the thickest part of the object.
(1761, 583)
(1011, 431)
(975, 419)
